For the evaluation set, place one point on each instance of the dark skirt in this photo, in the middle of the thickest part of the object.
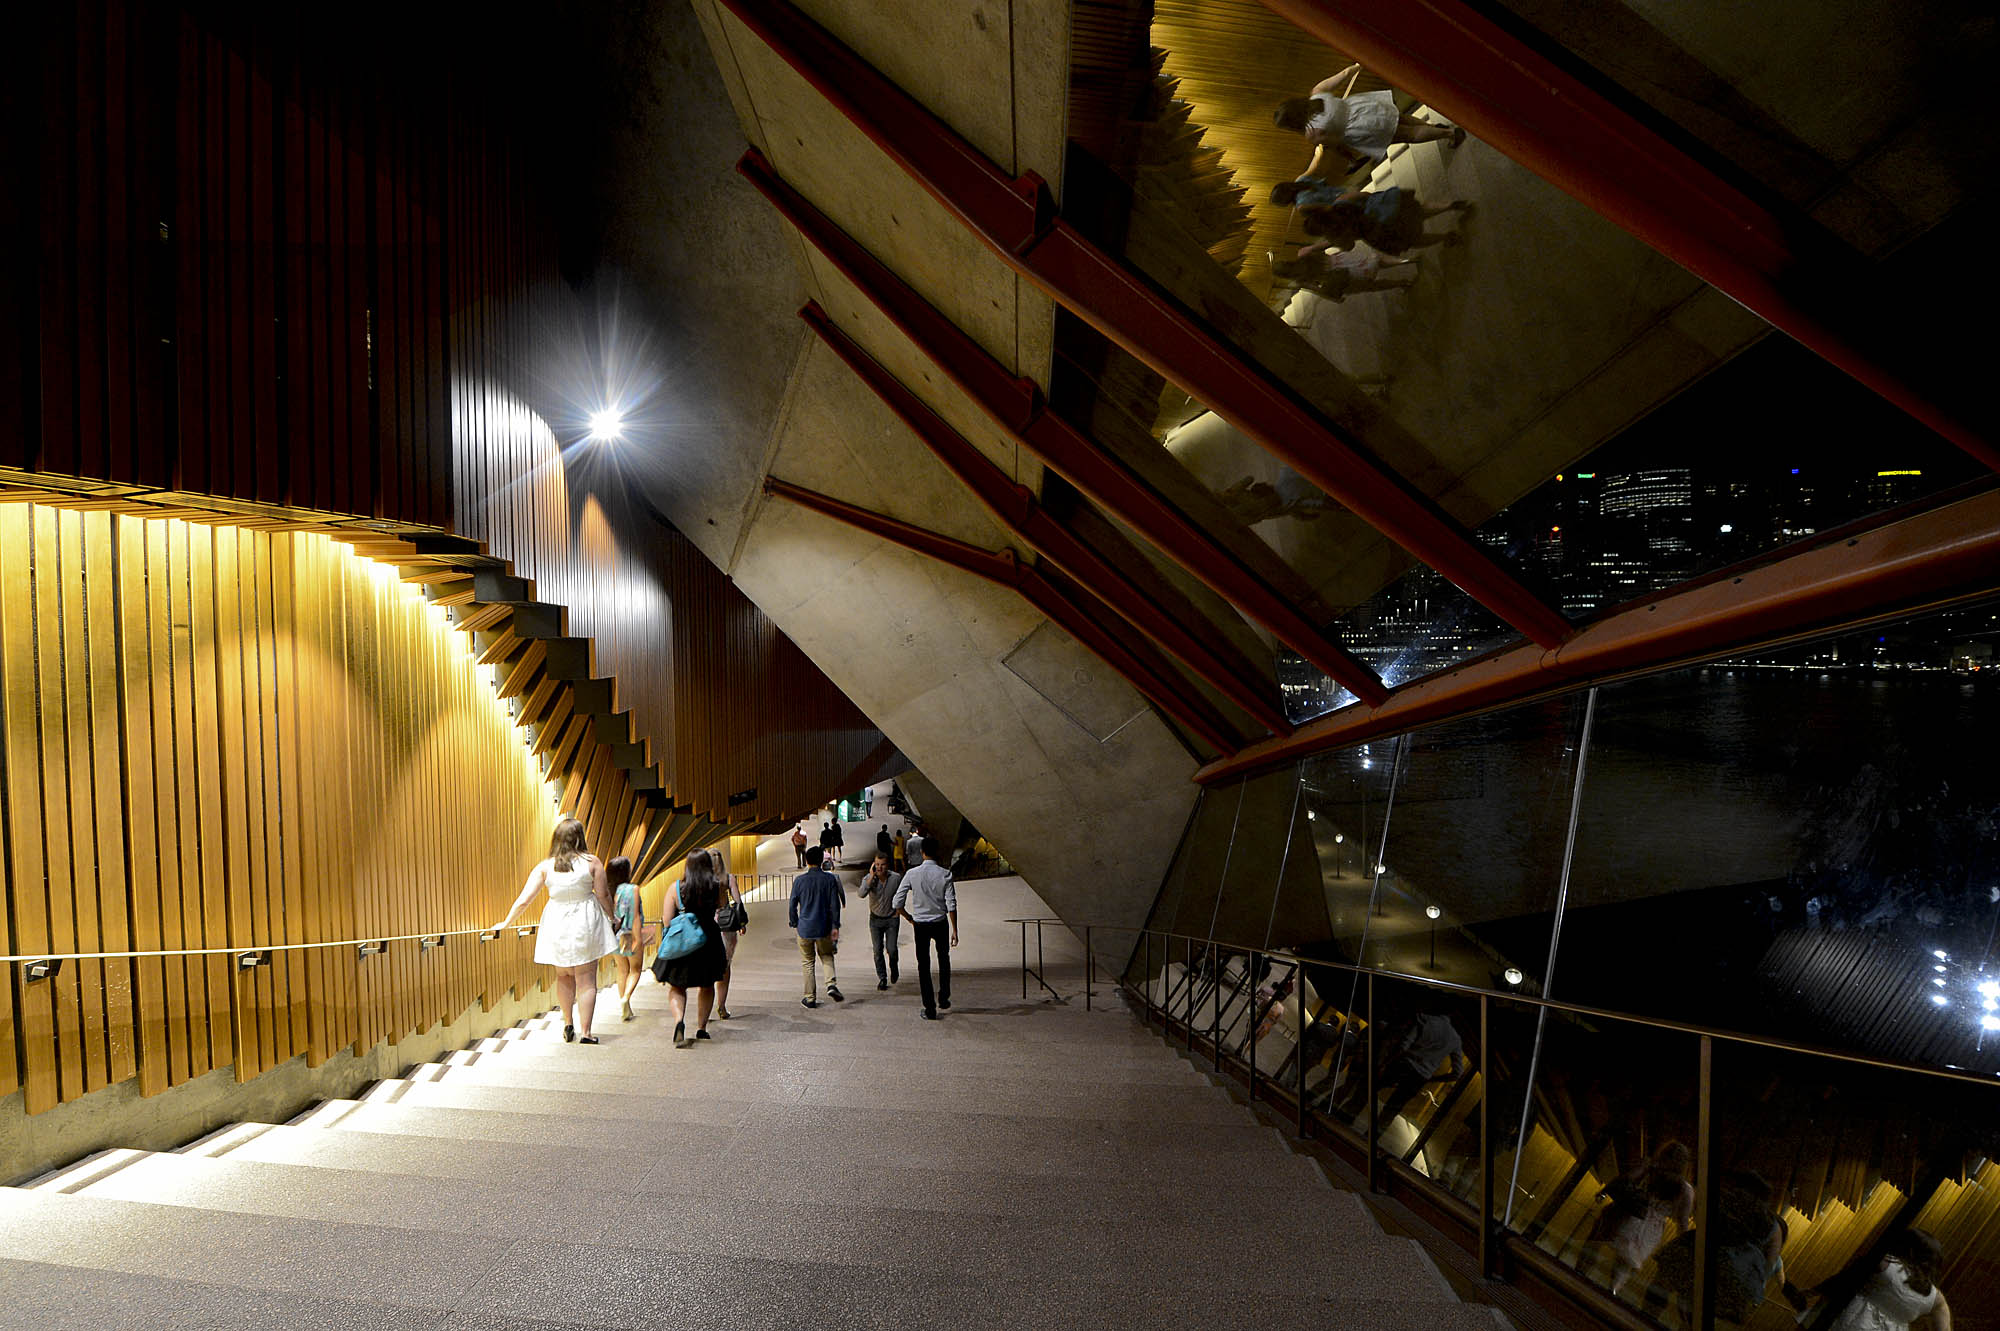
(702, 967)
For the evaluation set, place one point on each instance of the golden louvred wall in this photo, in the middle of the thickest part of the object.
(223, 737)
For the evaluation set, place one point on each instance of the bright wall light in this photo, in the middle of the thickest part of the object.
(608, 423)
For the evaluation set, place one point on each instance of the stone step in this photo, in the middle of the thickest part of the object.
(46, 1295)
(1154, 1244)
(767, 1133)
(907, 1183)
(365, 1262)
(699, 1292)
(868, 1088)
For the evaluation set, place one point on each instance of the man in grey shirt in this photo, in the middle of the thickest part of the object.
(927, 899)
(885, 927)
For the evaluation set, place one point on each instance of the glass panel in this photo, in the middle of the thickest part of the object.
(1799, 843)
(1604, 1179)
(1475, 848)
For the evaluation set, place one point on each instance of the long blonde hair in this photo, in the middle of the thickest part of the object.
(566, 845)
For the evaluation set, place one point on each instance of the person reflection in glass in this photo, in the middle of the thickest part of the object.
(1411, 1063)
(1640, 1202)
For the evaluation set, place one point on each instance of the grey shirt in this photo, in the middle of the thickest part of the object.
(927, 892)
(881, 897)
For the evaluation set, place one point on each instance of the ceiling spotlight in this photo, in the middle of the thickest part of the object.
(1937, 968)
(1989, 989)
(1940, 1000)
(1938, 982)
(1433, 911)
(607, 424)
(1512, 974)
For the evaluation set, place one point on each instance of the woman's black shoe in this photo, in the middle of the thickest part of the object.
(703, 1035)
(569, 1033)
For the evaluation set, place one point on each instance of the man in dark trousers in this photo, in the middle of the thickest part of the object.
(885, 846)
(839, 841)
(885, 926)
(826, 843)
(816, 898)
(799, 843)
(927, 899)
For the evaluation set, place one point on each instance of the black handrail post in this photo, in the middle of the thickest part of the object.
(1089, 968)
(1146, 975)
(1215, 1027)
(1374, 1129)
(1041, 961)
(1702, 1315)
(1024, 961)
(1189, 976)
(1299, 1056)
(1488, 1239)
(1250, 1009)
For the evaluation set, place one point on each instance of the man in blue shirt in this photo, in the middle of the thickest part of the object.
(816, 898)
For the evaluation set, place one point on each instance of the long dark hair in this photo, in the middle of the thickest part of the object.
(617, 872)
(698, 883)
(1295, 112)
(566, 844)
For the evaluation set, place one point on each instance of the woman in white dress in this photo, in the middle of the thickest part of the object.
(1361, 126)
(575, 930)
(1902, 1291)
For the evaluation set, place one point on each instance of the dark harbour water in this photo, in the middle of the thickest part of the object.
(1764, 850)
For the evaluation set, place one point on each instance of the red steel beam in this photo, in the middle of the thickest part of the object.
(1780, 267)
(1016, 509)
(1946, 555)
(1017, 406)
(1066, 605)
(1016, 217)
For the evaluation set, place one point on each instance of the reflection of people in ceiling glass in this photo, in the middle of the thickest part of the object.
(1358, 126)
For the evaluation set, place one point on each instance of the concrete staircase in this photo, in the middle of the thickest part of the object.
(1014, 1164)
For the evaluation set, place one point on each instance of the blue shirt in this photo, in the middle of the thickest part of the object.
(1317, 193)
(816, 898)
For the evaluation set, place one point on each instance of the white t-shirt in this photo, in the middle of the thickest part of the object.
(1886, 1302)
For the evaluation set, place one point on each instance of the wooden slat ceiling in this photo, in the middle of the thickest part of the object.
(1234, 61)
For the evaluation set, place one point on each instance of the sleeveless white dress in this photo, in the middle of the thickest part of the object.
(574, 930)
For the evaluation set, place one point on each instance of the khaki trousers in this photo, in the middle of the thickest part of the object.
(808, 949)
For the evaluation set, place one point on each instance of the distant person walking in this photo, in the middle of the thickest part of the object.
(575, 930)
(628, 921)
(737, 924)
(799, 843)
(900, 859)
(815, 913)
(927, 899)
(885, 926)
(826, 845)
(839, 842)
(698, 893)
(885, 845)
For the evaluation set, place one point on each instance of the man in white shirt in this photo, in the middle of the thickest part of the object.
(927, 899)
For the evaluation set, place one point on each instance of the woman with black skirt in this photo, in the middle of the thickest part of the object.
(698, 894)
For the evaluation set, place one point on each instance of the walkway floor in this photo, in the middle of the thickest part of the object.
(1013, 1164)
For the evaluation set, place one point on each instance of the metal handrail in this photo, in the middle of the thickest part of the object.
(486, 935)
(1495, 1238)
(1553, 1005)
